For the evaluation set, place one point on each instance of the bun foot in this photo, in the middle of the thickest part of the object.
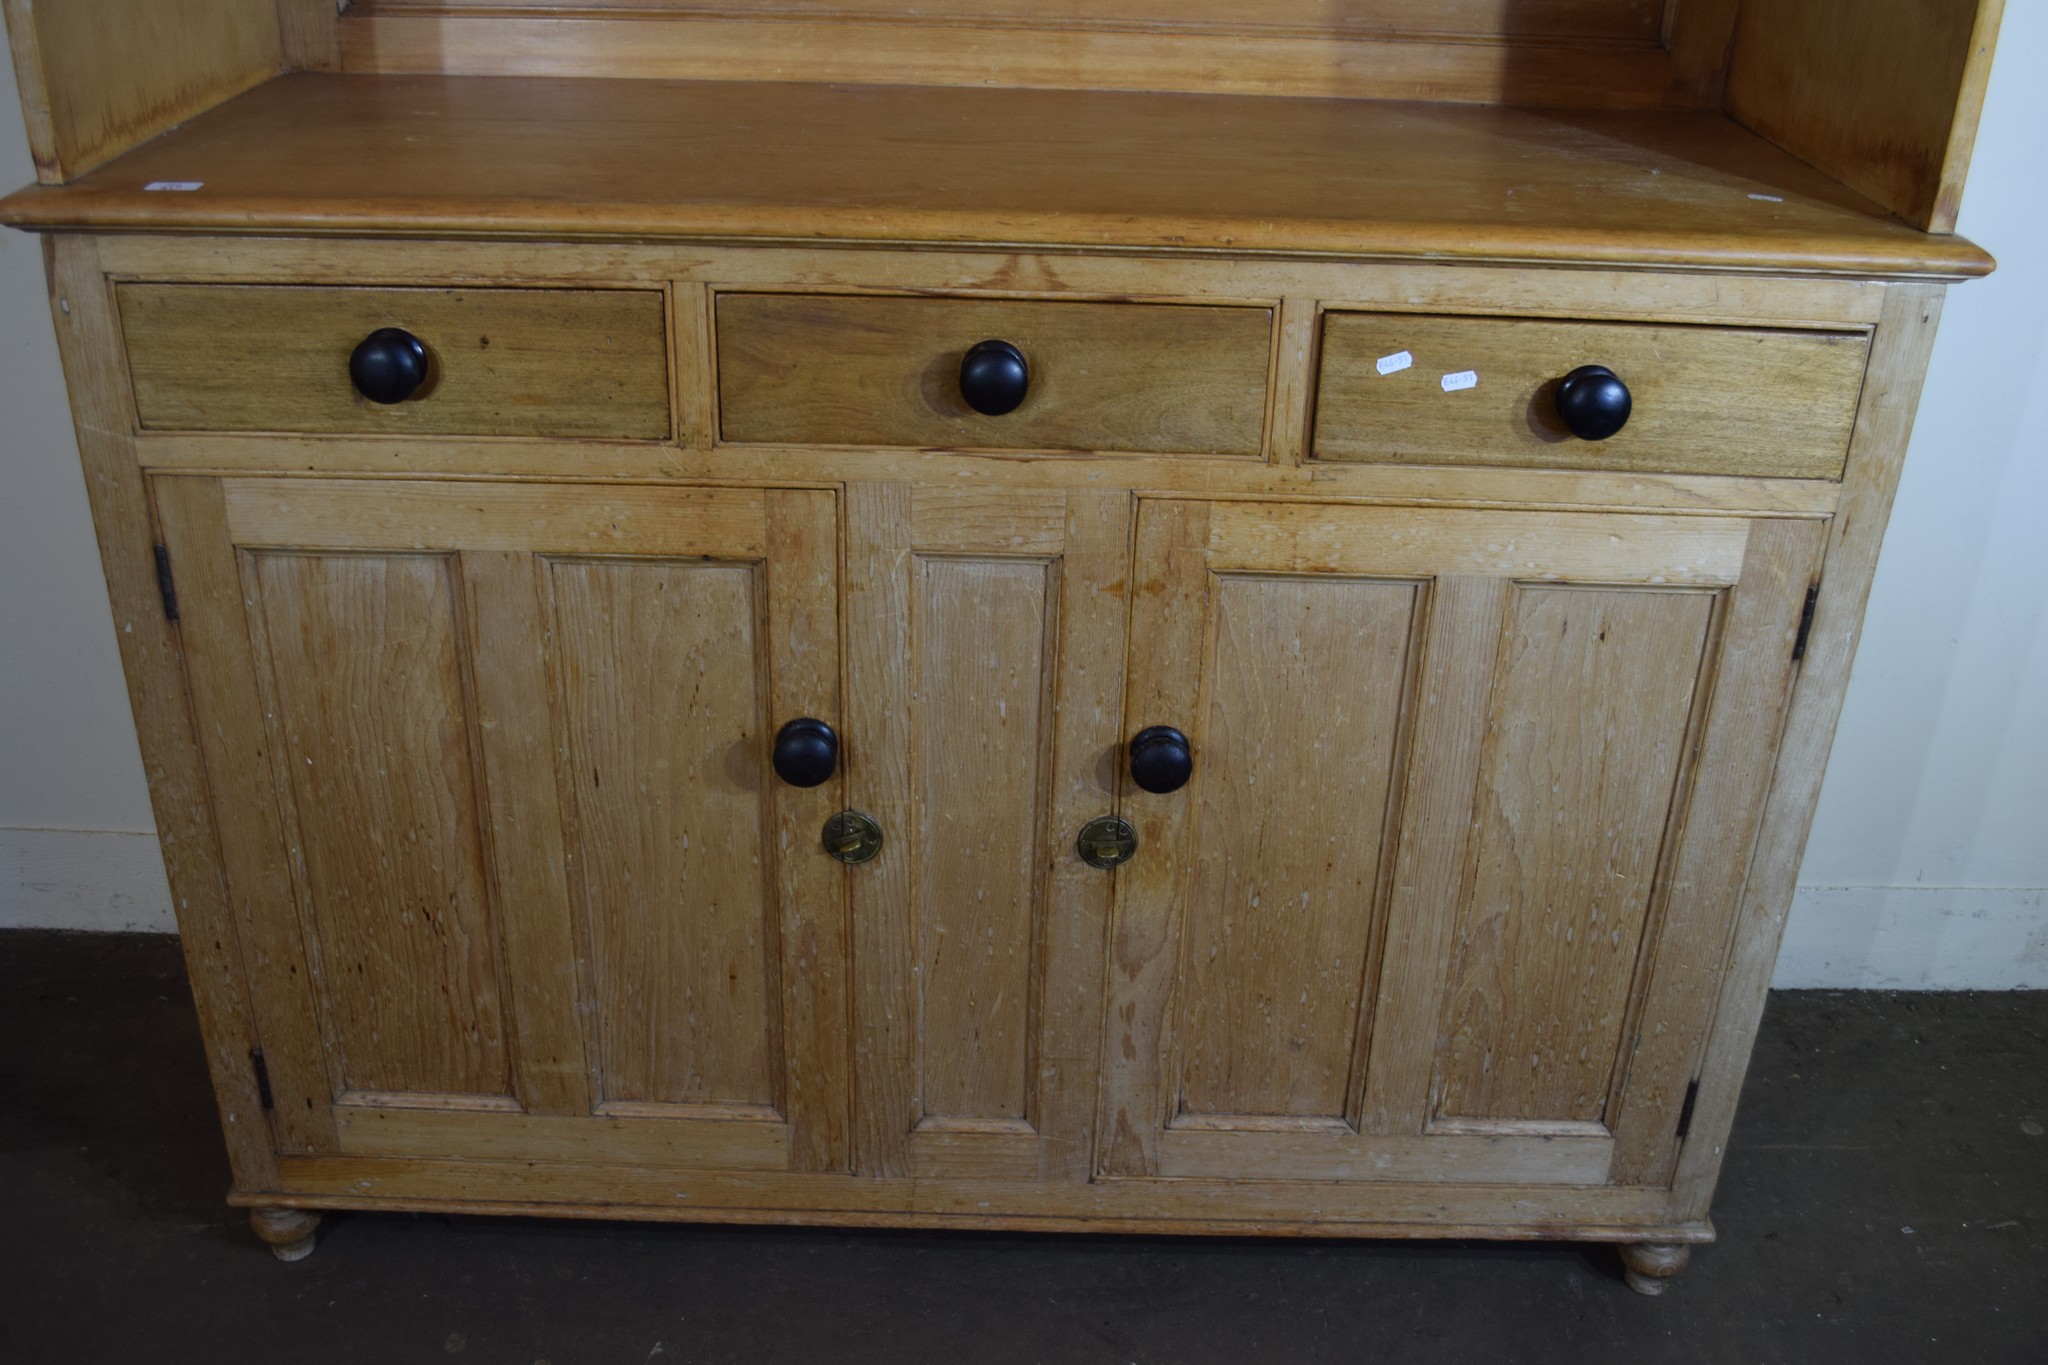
(1650, 1266)
(288, 1231)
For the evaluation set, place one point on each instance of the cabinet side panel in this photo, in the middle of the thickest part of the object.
(983, 687)
(1884, 95)
(1301, 728)
(97, 79)
(373, 740)
(88, 339)
(661, 700)
(1588, 728)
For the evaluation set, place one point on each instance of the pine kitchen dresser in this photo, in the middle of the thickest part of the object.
(1044, 614)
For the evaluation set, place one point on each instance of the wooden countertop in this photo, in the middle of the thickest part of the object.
(554, 159)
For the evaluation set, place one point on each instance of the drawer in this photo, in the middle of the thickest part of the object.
(499, 362)
(865, 371)
(1706, 400)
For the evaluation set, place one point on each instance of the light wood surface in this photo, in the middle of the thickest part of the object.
(1312, 1208)
(97, 79)
(982, 954)
(218, 959)
(501, 362)
(580, 159)
(1537, 835)
(1884, 95)
(1706, 400)
(1555, 52)
(1586, 731)
(886, 372)
(1899, 356)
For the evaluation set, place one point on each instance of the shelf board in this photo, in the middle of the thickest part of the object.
(540, 158)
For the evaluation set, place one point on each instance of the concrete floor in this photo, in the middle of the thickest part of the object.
(1886, 1199)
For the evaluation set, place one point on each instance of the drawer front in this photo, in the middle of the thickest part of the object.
(1706, 400)
(562, 363)
(1151, 378)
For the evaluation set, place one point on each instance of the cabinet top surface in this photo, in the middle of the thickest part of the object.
(594, 159)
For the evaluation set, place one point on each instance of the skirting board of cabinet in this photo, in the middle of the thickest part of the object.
(1178, 1208)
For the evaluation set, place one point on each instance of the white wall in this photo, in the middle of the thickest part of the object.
(1930, 857)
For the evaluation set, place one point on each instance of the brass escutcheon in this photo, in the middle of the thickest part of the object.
(852, 837)
(1107, 841)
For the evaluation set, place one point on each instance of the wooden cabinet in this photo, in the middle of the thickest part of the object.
(1470, 503)
(1466, 789)
(512, 872)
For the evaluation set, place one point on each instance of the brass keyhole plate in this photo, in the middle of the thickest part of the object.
(1107, 841)
(852, 837)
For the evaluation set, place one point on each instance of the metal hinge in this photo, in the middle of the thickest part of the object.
(164, 585)
(1805, 623)
(1692, 1097)
(263, 1079)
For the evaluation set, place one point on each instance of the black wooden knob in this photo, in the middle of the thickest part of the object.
(1161, 761)
(1593, 402)
(389, 366)
(994, 377)
(806, 752)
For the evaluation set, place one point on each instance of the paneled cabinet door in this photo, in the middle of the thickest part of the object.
(1449, 892)
(492, 770)
(984, 639)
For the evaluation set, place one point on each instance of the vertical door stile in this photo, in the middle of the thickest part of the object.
(810, 889)
(516, 731)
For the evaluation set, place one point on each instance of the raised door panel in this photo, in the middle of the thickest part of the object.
(988, 628)
(492, 764)
(1472, 792)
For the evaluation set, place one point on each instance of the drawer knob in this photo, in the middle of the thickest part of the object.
(389, 365)
(806, 752)
(1161, 761)
(994, 377)
(1593, 402)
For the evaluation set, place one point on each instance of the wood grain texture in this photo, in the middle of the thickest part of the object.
(878, 654)
(661, 670)
(1905, 338)
(228, 720)
(1882, 94)
(1706, 400)
(986, 633)
(309, 35)
(515, 739)
(731, 1140)
(1531, 290)
(501, 362)
(566, 159)
(217, 961)
(1012, 631)
(1466, 612)
(886, 372)
(361, 662)
(1587, 727)
(96, 80)
(1284, 1208)
(1547, 52)
(1641, 20)
(1306, 686)
(806, 665)
(1712, 860)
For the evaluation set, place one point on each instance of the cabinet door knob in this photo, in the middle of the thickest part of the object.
(994, 377)
(388, 366)
(1593, 402)
(806, 752)
(1161, 761)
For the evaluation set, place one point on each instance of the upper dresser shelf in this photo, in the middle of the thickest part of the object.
(1779, 135)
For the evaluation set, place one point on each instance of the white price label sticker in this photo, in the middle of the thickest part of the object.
(1395, 363)
(176, 186)
(1463, 379)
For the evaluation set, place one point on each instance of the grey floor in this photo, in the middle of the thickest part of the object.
(1885, 1199)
